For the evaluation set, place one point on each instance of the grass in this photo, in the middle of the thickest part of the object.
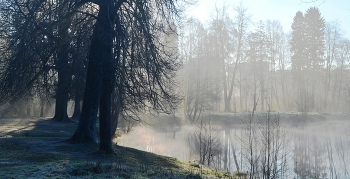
(38, 152)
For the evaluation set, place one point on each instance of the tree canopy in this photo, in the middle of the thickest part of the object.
(131, 60)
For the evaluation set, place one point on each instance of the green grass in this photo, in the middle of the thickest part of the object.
(39, 152)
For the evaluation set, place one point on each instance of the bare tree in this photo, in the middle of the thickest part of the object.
(199, 73)
(240, 33)
(332, 40)
(40, 47)
(222, 41)
(205, 142)
(264, 146)
(275, 39)
(132, 63)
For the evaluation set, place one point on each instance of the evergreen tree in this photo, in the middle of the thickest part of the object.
(314, 34)
(307, 46)
(297, 42)
(299, 63)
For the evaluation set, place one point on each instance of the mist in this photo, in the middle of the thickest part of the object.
(298, 145)
(251, 98)
(258, 101)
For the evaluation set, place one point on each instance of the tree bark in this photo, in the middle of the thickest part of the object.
(62, 96)
(99, 82)
(87, 121)
(41, 108)
(77, 106)
(105, 115)
(106, 46)
(63, 75)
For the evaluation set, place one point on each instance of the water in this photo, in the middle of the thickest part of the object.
(293, 147)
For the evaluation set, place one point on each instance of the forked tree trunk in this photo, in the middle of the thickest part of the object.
(87, 122)
(99, 84)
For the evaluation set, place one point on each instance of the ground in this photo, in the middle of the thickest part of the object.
(36, 148)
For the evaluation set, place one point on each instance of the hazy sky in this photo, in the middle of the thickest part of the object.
(282, 10)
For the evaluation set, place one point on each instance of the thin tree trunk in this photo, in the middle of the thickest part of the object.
(77, 106)
(28, 107)
(41, 108)
(231, 88)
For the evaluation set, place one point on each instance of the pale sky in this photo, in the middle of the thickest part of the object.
(282, 10)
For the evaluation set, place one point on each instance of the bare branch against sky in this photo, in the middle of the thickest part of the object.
(281, 10)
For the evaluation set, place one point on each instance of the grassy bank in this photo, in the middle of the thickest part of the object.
(33, 148)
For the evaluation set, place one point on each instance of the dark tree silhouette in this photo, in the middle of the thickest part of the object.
(21, 66)
(130, 58)
(40, 47)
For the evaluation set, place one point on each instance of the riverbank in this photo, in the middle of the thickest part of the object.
(34, 148)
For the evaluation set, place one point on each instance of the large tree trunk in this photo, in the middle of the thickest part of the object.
(62, 96)
(99, 83)
(63, 75)
(87, 121)
(105, 114)
(86, 131)
(105, 48)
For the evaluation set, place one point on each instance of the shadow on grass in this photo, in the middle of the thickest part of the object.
(27, 144)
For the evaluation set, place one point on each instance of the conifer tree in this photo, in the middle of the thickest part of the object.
(307, 47)
(297, 45)
(297, 42)
(314, 34)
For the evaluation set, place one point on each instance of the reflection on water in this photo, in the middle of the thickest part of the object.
(310, 148)
(167, 144)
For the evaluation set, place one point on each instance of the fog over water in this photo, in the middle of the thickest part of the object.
(304, 146)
